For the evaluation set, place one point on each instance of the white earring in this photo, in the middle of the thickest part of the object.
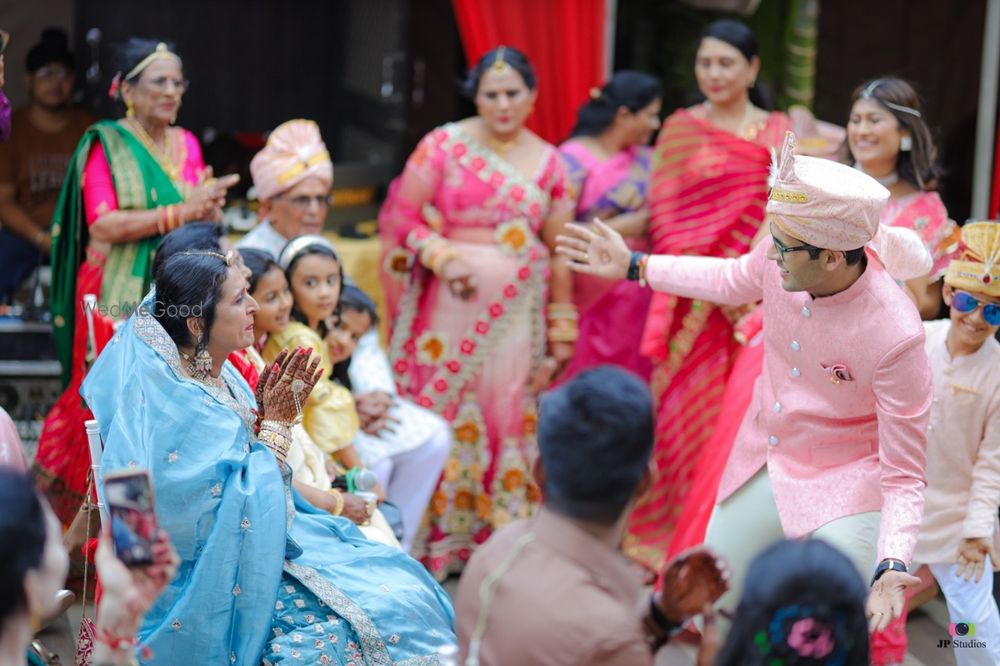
(906, 143)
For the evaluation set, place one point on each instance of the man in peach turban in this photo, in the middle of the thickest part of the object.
(833, 442)
(292, 176)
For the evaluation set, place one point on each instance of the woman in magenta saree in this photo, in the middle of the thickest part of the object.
(707, 196)
(464, 225)
(608, 158)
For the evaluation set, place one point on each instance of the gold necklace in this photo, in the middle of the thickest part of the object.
(163, 156)
(502, 147)
(742, 131)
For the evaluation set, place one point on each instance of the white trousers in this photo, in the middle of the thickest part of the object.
(971, 603)
(747, 522)
(409, 479)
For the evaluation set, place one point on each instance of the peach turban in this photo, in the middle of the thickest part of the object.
(294, 152)
(836, 207)
(978, 266)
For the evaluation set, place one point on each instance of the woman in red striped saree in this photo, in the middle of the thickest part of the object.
(707, 197)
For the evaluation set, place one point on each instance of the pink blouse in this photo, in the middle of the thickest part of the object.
(99, 185)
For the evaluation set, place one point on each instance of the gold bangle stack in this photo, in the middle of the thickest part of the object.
(435, 252)
(564, 322)
(338, 499)
(276, 436)
(170, 217)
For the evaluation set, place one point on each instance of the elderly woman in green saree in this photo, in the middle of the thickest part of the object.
(129, 182)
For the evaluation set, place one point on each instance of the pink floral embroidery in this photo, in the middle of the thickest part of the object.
(467, 347)
(440, 386)
(524, 273)
(410, 346)
(496, 310)
(453, 366)
(496, 180)
(401, 367)
(424, 401)
(477, 163)
(459, 149)
(535, 209)
(810, 639)
(517, 193)
(482, 327)
(510, 291)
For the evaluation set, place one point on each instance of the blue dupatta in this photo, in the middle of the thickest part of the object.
(237, 526)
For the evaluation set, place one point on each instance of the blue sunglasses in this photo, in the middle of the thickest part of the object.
(966, 302)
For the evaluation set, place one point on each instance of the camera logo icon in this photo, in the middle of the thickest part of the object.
(962, 629)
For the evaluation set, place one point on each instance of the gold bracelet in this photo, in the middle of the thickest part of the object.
(275, 424)
(563, 335)
(338, 498)
(276, 436)
(161, 220)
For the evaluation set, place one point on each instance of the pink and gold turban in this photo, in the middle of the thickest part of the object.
(978, 266)
(824, 203)
(836, 207)
(294, 152)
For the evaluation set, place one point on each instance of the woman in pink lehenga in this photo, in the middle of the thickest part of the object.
(466, 223)
(608, 158)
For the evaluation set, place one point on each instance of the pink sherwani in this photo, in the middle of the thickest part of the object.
(832, 449)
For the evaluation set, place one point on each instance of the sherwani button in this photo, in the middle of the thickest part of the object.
(773, 440)
(795, 345)
(806, 312)
(777, 408)
(795, 372)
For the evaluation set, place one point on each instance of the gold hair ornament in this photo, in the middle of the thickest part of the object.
(161, 51)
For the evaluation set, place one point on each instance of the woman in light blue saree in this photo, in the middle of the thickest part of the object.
(264, 576)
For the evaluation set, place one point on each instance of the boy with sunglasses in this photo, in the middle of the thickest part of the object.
(959, 537)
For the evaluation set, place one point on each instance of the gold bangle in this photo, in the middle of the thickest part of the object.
(561, 307)
(160, 217)
(338, 498)
(563, 335)
(278, 443)
(275, 424)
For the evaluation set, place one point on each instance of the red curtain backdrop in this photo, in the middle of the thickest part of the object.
(563, 39)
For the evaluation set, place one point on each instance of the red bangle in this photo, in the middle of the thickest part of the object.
(114, 642)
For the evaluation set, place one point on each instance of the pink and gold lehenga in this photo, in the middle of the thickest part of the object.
(471, 361)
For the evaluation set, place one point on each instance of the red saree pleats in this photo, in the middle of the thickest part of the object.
(707, 197)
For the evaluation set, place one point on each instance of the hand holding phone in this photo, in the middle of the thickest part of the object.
(129, 498)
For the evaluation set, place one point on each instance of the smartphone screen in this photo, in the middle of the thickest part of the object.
(129, 499)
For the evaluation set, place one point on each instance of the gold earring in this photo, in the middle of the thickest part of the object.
(129, 111)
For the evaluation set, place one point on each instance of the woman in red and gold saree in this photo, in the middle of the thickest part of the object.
(128, 182)
(469, 215)
(707, 197)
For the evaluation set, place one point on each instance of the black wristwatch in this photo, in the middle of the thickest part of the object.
(887, 565)
(634, 263)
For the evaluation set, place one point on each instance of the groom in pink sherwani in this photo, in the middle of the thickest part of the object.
(832, 445)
